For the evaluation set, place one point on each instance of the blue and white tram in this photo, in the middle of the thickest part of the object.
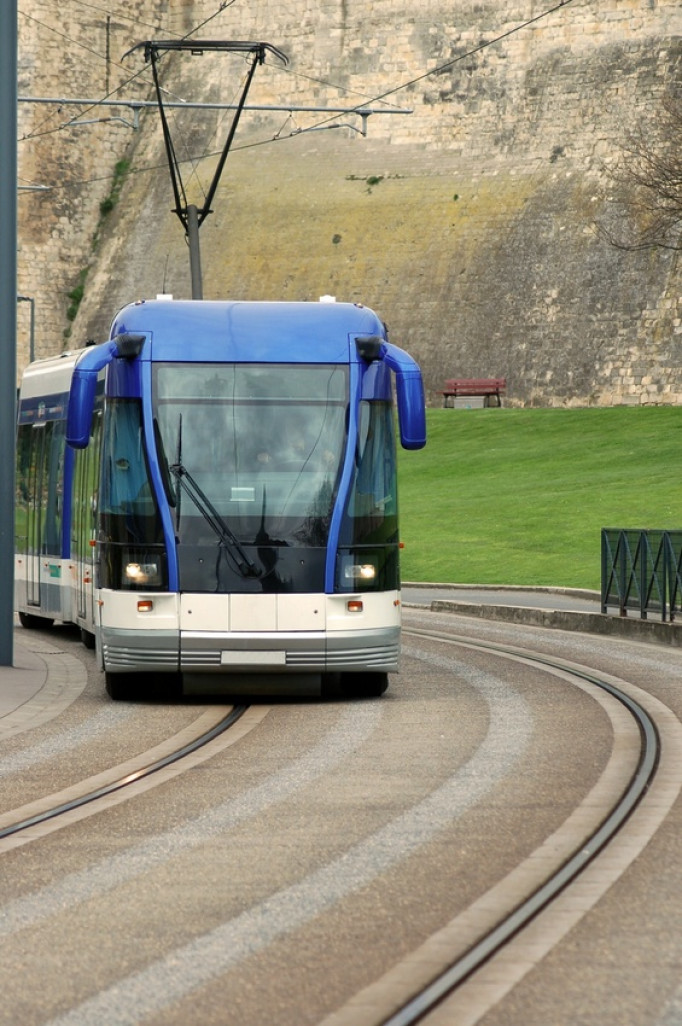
(211, 494)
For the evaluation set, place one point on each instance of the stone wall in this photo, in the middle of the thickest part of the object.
(468, 224)
(66, 154)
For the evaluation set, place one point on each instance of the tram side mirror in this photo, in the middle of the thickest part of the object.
(82, 393)
(411, 409)
(81, 406)
(409, 389)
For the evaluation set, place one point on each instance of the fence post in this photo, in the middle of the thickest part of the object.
(666, 575)
(643, 549)
(622, 600)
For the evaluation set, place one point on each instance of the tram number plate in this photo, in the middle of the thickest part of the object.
(273, 658)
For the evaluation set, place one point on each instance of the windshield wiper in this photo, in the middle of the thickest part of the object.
(227, 537)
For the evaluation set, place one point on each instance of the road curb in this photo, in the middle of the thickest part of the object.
(539, 589)
(650, 631)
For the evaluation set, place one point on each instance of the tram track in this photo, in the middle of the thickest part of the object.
(463, 970)
(456, 974)
(193, 744)
(426, 1003)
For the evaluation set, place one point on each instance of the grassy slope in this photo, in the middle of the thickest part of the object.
(520, 496)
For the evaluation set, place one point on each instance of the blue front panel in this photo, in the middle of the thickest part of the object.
(196, 332)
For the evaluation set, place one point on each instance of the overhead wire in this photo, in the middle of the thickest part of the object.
(40, 132)
(118, 15)
(112, 92)
(377, 98)
(455, 60)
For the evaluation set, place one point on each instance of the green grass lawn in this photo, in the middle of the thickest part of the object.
(520, 496)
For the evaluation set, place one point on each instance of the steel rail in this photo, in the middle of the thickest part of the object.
(446, 982)
(130, 778)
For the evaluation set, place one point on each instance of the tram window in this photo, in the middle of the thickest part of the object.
(35, 486)
(55, 449)
(23, 488)
(372, 511)
(368, 544)
(126, 503)
(85, 491)
(40, 476)
(264, 443)
(125, 483)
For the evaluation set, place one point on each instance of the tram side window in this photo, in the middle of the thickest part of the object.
(39, 499)
(22, 497)
(368, 543)
(372, 511)
(85, 491)
(52, 533)
(126, 502)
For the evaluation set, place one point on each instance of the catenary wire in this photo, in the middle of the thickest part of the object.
(132, 78)
(327, 121)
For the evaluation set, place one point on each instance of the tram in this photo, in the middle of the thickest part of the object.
(211, 496)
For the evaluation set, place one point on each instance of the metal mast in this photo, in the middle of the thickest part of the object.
(8, 321)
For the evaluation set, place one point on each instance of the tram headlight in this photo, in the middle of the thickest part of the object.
(365, 569)
(362, 572)
(143, 575)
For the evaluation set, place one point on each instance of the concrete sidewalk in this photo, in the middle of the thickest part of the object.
(22, 681)
(43, 681)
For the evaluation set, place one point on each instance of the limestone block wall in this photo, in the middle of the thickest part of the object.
(67, 154)
(468, 224)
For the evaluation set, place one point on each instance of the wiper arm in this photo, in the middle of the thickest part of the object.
(245, 564)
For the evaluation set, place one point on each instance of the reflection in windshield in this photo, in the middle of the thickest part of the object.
(263, 444)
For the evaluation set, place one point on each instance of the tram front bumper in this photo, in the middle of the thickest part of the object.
(342, 651)
(126, 651)
(244, 634)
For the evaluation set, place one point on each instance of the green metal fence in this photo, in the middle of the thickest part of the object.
(641, 570)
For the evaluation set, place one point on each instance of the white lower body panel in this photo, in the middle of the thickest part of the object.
(224, 634)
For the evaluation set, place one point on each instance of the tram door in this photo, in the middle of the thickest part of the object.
(41, 472)
(36, 487)
(84, 522)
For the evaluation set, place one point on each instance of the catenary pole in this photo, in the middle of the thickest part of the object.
(8, 321)
(194, 251)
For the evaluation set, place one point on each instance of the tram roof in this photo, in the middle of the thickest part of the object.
(51, 374)
(248, 331)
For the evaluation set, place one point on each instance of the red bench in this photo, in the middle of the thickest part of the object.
(488, 388)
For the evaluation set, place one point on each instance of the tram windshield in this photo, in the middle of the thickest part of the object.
(252, 452)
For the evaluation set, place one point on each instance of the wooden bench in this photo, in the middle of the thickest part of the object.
(488, 388)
